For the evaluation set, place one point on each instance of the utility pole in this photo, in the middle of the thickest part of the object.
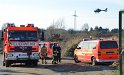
(120, 42)
(75, 15)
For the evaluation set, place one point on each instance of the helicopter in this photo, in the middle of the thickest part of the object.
(99, 10)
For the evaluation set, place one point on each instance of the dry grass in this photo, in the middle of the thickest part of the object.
(70, 44)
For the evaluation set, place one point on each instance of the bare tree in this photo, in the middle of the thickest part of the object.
(85, 27)
(50, 32)
(56, 29)
(59, 24)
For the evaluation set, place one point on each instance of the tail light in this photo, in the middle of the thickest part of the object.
(99, 53)
(117, 52)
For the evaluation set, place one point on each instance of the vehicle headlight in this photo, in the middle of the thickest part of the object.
(36, 54)
(10, 55)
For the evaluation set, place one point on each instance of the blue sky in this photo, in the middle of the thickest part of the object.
(43, 12)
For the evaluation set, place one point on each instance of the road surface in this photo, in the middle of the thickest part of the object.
(66, 67)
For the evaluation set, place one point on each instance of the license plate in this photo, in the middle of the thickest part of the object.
(22, 54)
(109, 52)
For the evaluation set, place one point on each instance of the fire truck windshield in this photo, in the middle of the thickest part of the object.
(22, 35)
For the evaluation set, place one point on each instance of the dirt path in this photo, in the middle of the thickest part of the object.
(67, 67)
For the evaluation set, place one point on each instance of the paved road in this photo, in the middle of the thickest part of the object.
(67, 67)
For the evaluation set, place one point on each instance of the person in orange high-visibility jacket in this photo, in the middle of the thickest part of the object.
(43, 54)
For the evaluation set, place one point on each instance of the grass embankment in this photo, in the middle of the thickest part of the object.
(69, 46)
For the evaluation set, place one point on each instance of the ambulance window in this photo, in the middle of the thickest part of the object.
(85, 45)
(80, 45)
(108, 44)
(92, 45)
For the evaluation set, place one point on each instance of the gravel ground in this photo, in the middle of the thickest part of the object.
(66, 67)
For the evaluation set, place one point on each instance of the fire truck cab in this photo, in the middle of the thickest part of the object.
(20, 44)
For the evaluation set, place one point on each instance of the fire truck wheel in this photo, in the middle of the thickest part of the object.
(76, 59)
(93, 61)
(27, 63)
(35, 63)
(7, 63)
(3, 63)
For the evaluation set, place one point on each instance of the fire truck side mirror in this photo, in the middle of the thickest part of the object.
(42, 37)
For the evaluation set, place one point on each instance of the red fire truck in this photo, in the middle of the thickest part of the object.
(49, 46)
(20, 44)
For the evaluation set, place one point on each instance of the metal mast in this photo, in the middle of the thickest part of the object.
(75, 15)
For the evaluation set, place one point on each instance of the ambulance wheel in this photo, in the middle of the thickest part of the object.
(93, 61)
(54, 62)
(76, 59)
(7, 63)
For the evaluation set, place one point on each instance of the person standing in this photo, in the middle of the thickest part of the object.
(54, 61)
(43, 54)
(58, 53)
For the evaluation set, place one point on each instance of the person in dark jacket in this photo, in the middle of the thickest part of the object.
(54, 61)
(58, 53)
